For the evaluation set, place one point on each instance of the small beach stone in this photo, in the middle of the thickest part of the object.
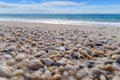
(60, 63)
(48, 61)
(62, 48)
(18, 73)
(8, 56)
(5, 71)
(109, 67)
(57, 77)
(70, 67)
(20, 56)
(47, 75)
(113, 57)
(34, 65)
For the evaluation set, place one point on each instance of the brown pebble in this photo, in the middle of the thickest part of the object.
(57, 77)
(33, 44)
(109, 67)
(113, 57)
(98, 52)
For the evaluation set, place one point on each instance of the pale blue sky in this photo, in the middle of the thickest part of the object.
(60, 6)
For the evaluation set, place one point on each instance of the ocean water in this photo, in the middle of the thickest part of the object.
(68, 19)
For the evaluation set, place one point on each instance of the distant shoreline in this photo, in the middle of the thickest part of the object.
(66, 19)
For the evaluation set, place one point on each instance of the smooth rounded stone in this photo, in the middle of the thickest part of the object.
(47, 75)
(60, 63)
(109, 67)
(18, 72)
(62, 48)
(8, 56)
(70, 67)
(36, 75)
(38, 55)
(20, 56)
(11, 62)
(48, 61)
(1, 78)
(65, 73)
(65, 76)
(5, 71)
(34, 65)
(96, 74)
(61, 69)
(33, 44)
(57, 77)
(115, 56)
(83, 73)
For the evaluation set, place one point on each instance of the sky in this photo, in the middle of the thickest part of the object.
(60, 6)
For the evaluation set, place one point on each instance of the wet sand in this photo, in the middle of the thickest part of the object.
(39, 51)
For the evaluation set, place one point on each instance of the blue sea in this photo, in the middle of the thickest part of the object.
(72, 19)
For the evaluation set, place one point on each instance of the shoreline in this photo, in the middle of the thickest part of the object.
(73, 23)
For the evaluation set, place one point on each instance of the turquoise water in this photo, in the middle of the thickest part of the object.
(75, 19)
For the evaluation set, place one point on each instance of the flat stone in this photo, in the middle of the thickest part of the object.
(8, 56)
(48, 61)
(34, 65)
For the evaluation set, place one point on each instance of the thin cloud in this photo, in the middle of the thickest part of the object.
(44, 4)
(57, 7)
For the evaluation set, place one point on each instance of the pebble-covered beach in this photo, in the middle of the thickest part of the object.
(42, 53)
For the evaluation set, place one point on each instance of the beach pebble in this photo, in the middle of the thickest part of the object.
(62, 48)
(8, 56)
(5, 71)
(47, 75)
(48, 61)
(70, 67)
(20, 56)
(33, 44)
(18, 73)
(60, 63)
(113, 57)
(83, 73)
(109, 67)
(11, 62)
(34, 65)
(57, 77)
